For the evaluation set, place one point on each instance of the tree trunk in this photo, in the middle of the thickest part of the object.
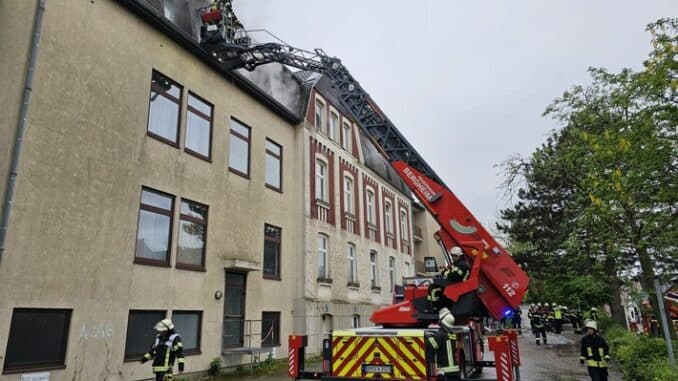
(648, 286)
(614, 287)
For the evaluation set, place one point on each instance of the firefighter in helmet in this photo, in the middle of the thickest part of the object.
(594, 352)
(538, 325)
(441, 346)
(166, 349)
(594, 314)
(456, 272)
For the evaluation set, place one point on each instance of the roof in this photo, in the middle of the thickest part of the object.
(181, 33)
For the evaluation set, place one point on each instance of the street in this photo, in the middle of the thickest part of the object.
(556, 361)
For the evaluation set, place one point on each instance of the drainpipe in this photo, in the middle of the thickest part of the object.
(21, 126)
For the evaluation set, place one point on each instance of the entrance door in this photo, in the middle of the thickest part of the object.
(234, 310)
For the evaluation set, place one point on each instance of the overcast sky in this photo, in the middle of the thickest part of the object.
(466, 82)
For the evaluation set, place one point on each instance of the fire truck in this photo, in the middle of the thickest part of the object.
(399, 348)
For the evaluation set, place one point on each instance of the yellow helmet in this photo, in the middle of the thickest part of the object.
(164, 325)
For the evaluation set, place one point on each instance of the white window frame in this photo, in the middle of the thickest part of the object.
(406, 271)
(320, 105)
(346, 136)
(348, 194)
(391, 271)
(388, 216)
(321, 180)
(323, 257)
(352, 264)
(374, 269)
(404, 234)
(371, 210)
(332, 125)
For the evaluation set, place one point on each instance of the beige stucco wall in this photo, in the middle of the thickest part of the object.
(427, 247)
(86, 156)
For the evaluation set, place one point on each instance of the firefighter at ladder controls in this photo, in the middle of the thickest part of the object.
(594, 352)
(458, 271)
(165, 350)
(442, 345)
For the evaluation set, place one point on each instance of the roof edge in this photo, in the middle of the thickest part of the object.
(185, 41)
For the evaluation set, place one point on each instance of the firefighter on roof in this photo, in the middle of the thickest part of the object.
(442, 345)
(594, 352)
(166, 349)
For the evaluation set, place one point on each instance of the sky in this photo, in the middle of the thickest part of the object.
(467, 82)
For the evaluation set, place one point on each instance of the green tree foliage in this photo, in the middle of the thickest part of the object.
(601, 195)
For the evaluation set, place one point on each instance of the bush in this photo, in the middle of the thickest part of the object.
(641, 358)
(214, 369)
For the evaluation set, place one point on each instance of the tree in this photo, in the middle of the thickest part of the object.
(604, 186)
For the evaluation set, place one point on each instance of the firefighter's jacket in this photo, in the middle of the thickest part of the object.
(165, 351)
(558, 313)
(458, 272)
(537, 320)
(443, 344)
(594, 351)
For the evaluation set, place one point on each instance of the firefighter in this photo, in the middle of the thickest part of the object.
(166, 349)
(517, 320)
(594, 314)
(538, 328)
(548, 317)
(441, 346)
(458, 271)
(557, 318)
(577, 321)
(530, 313)
(594, 352)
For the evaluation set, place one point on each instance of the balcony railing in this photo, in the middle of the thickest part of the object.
(417, 232)
(322, 210)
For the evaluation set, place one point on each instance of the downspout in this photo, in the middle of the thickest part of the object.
(21, 126)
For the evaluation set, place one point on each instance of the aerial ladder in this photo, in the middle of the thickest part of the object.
(496, 284)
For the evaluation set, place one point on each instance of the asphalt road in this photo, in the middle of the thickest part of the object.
(556, 361)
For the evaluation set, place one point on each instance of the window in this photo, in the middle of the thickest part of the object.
(198, 127)
(320, 116)
(348, 195)
(270, 329)
(192, 236)
(235, 293)
(334, 121)
(370, 207)
(273, 165)
(188, 324)
(346, 137)
(388, 216)
(391, 271)
(355, 321)
(38, 339)
(374, 271)
(163, 109)
(321, 180)
(323, 264)
(352, 267)
(272, 241)
(155, 222)
(404, 234)
(406, 272)
(239, 152)
(140, 332)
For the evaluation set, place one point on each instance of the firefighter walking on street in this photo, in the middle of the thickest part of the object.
(538, 327)
(166, 349)
(594, 352)
(557, 318)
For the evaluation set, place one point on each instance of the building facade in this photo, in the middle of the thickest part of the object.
(152, 184)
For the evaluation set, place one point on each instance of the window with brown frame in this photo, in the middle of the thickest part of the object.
(37, 340)
(189, 325)
(272, 243)
(270, 329)
(273, 165)
(164, 109)
(192, 236)
(154, 228)
(140, 333)
(239, 152)
(198, 127)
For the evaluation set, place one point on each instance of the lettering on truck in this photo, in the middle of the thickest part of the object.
(421, 185)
